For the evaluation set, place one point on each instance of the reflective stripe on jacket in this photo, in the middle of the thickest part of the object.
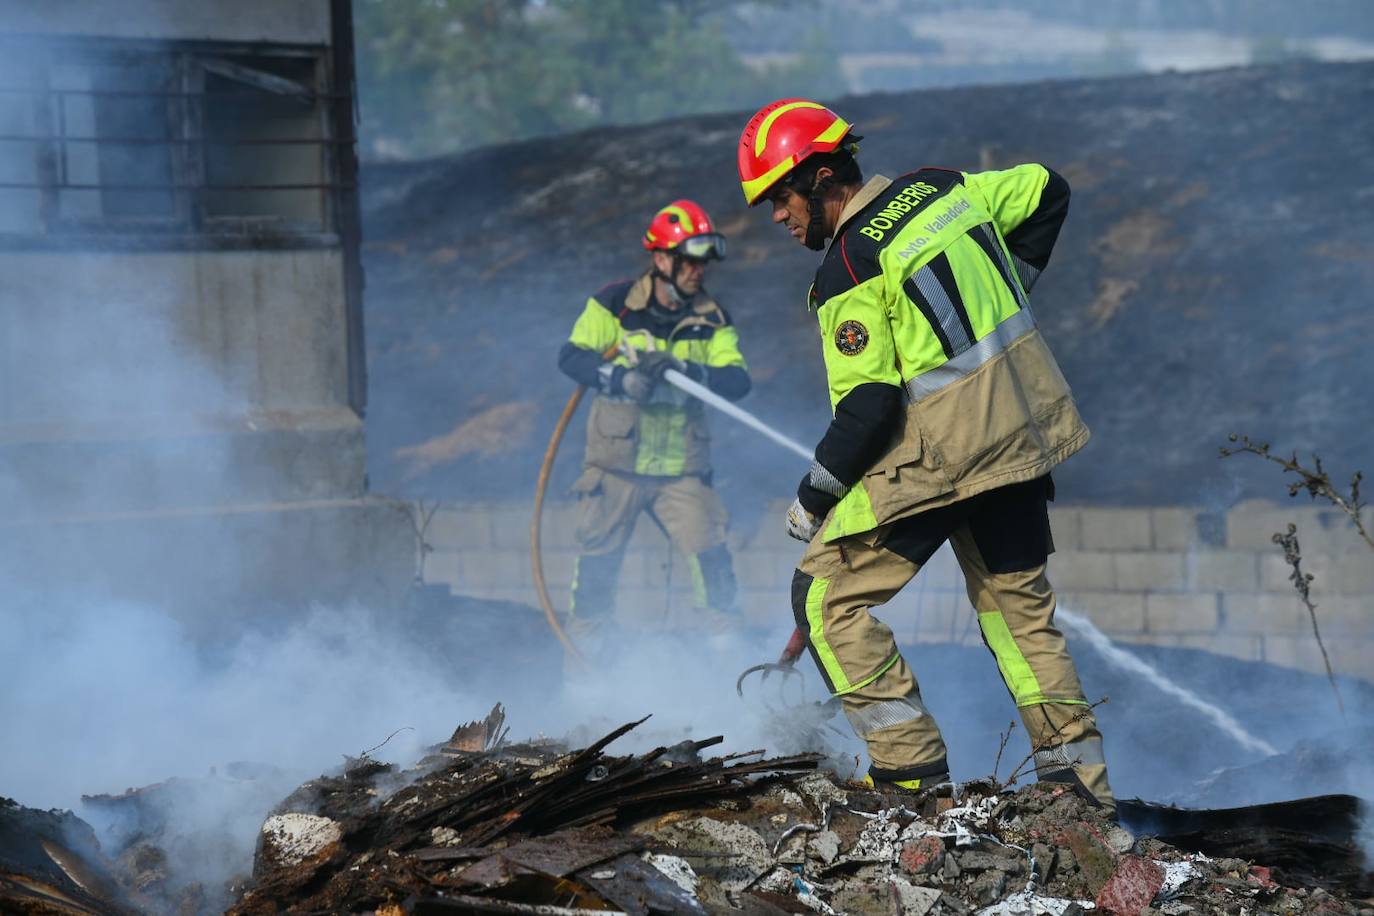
(667, 436)
(921, 291)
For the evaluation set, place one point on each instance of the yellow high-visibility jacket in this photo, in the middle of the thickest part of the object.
(666, 437)
(940, 383)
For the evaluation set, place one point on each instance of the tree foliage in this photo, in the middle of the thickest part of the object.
(442, 75)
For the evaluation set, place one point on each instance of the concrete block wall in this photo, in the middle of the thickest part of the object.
(1162, 576)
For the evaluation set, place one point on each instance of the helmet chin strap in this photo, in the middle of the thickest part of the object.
(675, 292)
(816, 236)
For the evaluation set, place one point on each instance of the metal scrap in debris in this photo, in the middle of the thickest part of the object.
(479, 735)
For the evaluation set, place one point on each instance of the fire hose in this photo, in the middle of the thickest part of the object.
(541, 488)
(795, 645)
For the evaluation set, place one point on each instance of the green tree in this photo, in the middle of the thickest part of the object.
(437, 74)
(442, 75)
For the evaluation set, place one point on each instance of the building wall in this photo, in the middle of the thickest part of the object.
(217, 570)
(1162, 576)
(181, 295)
(150, 379)
(181, 367)
(285, 21)
(268, 326)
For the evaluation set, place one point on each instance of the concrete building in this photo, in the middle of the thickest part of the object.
(183, 373)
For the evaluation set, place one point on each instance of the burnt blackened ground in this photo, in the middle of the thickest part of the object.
(1213, 277)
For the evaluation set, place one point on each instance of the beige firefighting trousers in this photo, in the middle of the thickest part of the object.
(836, 585)
(690, 513)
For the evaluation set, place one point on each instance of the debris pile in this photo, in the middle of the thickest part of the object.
(484, 827)
(481, 825)
(50, 862)
(178, 846)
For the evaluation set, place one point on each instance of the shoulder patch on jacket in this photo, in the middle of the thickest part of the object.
(851, 337)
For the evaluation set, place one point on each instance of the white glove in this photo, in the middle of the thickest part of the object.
(801, 524)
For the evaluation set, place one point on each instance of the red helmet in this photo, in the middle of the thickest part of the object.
(779, 137)
(684, 228)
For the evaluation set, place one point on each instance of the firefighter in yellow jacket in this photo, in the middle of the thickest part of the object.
(948, 414)
(647, 441)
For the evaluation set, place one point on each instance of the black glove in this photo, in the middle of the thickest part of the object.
(656, 362)
(635, 384)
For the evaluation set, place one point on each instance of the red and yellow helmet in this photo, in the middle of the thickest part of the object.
(683, 228)
(779, 137)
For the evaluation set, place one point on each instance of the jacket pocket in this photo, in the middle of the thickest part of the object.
(905, 453)
(616, 421)
(908, 474)
(588, 483)
(612, 435)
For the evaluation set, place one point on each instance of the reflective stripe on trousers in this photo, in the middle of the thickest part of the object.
(886, 714)
(1083, 752)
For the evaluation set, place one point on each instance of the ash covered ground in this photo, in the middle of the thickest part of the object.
(393, 827)
(1212, 277)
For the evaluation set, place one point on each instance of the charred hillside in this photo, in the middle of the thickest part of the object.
(1213, 276)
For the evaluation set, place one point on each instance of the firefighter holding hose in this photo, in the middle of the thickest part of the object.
(948, 414)
(647, 442)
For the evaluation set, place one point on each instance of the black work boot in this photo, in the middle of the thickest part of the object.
(920, 794)
(909, 786)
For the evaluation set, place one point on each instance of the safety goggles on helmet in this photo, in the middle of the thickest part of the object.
(703, 247)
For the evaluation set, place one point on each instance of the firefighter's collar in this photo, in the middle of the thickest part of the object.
(639, 295)
(867, 194)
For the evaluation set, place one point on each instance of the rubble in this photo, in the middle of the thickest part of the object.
(537, 828)
(290, 839)
(51, 863)
(180, 846)
(1309, 841)
(482, 825)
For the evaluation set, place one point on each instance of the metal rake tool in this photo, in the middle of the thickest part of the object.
(788, 707)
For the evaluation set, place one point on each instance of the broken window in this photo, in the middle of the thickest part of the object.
(264, 140)
(111, 137)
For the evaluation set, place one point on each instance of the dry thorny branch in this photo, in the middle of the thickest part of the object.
(1002, 746)
(1054, 739)
(1302, 581)
(365, 755)
(1315, 481)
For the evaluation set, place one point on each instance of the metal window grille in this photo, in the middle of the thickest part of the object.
(110, 138)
